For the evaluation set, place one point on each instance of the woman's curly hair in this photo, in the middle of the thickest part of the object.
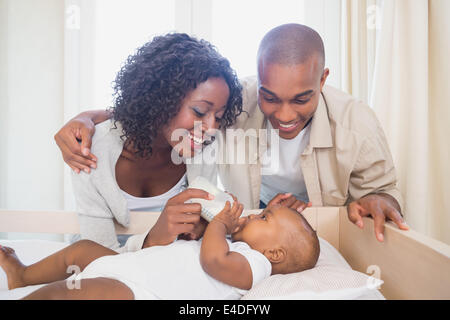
(150, 87)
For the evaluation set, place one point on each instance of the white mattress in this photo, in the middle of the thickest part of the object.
(31, 251)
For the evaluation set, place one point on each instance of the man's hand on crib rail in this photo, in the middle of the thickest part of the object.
(381, 207)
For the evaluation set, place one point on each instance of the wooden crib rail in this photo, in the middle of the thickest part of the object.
(324, 220)
(61, 222)
(65, 222)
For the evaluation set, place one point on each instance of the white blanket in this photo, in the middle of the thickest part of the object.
(31, 251)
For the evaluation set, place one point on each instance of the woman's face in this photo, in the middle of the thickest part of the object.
(200, 115)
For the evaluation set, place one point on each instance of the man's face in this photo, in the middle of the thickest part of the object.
(288, 95)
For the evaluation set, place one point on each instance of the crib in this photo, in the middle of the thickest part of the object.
(412, 265)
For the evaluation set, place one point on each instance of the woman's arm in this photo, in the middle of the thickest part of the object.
(81, 128)
(227, 266)
(95, 214)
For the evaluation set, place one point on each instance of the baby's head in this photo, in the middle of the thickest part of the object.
(284, 237)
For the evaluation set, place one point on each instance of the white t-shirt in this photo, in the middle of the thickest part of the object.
(174, 271)
(288, 177)
(151, 204)
(157, 203)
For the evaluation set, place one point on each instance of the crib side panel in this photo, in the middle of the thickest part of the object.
(140, 222)
(66, 222)
(324, 220)
(39, 222)
(411, 265)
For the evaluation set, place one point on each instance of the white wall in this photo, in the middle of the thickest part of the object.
(3, 96)
(31, 82)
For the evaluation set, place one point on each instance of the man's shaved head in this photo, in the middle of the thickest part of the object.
(291, 44)
(291, 76)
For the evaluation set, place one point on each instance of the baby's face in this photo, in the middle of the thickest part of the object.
(263, 230)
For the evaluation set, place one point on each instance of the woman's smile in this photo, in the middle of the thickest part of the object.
(196, 142)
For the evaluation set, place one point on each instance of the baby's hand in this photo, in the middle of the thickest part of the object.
(230, 216)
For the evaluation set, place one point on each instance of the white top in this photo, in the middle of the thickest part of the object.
(174, 271)
(288, 175)
(157, 203)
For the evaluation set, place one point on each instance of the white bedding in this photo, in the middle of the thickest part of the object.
(31, 251)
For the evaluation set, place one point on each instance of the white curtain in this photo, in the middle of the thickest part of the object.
(411, 98)
(439, 120)
(360, 29)
(395, 57)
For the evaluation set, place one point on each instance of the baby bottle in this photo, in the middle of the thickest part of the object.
(210, 207)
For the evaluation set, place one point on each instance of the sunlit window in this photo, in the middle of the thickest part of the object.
(238, 27)
(120, 28)
(235, 27)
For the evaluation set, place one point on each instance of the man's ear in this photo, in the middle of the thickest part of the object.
(323, 79)
(276, 255)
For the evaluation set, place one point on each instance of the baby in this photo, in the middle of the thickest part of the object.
(277, 241)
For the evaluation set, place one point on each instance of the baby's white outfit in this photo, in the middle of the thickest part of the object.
(174, 271)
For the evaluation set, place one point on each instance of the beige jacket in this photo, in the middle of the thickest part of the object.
(347, 157)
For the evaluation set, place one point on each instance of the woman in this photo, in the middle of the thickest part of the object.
(173, 82)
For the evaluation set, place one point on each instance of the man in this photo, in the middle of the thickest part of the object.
(332, 150)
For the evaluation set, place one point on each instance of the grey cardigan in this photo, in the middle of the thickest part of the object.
(98, 197)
